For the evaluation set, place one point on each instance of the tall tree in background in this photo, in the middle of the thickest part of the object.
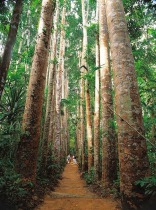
(64, 116)
(88, 102)
(109, 170)
(89, 126)
(97, 103)
(80, 115)
(78, 133)
(84, 69)
(82, 83)
(28, 146)
(133, 161)
(6, 58)
(60, 72)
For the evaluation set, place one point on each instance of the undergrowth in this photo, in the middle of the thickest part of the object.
(148, 184)
(18, 194)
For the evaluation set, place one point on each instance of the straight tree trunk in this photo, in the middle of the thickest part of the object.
(49, 104)
(89, 127)
(25, 40)
(82, 125)
(19, 49)
(52, 126)
(65, 115)
(97, 106)
(6, 58)
(81, 128)
(82, 92)
(133, 161)
(109, 156)
(78, 133)
(87, 93)
(28, 146)
(60, 71)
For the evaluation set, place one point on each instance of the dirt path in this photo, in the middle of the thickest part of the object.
(72, 193)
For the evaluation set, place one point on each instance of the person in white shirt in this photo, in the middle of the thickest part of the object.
(68, 158)
(74, 159)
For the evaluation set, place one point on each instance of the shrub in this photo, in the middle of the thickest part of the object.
(148, 184)
(89, 177)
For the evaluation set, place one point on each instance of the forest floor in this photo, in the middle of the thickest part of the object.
(72, 193)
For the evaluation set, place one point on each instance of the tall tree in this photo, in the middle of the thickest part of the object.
(84, 70)
(60, 72)
(109, 170)
(97, 103)
(80, 116)
(52, 72)
(82, 82)
(6, 58)
(28, 146)
(133, 161)
(89, 126)
(64, 117)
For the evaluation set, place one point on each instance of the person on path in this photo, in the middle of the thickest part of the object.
(68, 159)
(74, 159)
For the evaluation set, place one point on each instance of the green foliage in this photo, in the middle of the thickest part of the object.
(12, 105)
(49, 174)
(6, 8)
(12, 189)
(115, 190)
(152, 157)
(148, 184)
(93, 29)
(90, 177)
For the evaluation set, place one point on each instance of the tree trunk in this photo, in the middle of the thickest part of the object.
(82, 83)
(82, 125)
(65, 116)
(49, 104)
(78, 133)
(97, 106)
(52, 126)
(25, 39)
(60, 72)
(89, 128)
(4, 65)
(109, 156)
(133, 161)
(28, 147)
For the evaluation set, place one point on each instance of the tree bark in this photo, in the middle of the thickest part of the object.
(60, 72)
(89, 127)
(65, 115)
(52, 126)
(28, 146)
(133, 161)
(6, 58)
(52, 69)
(78, 133)
(82, 83)
(97, 105)
(109, 156)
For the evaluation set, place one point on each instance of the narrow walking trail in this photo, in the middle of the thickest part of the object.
(72, 193)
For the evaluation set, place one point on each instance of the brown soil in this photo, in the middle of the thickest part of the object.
(72, 193)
